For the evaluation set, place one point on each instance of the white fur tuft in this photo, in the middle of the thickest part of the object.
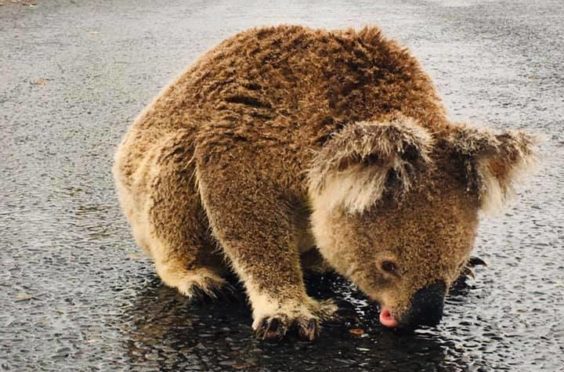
(513, 153)
(354, 189)
(352, 169)
(492, 197)
(496, 192)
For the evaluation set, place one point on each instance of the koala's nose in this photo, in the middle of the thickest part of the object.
(427, 306)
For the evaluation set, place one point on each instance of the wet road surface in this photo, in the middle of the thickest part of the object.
(75, 292)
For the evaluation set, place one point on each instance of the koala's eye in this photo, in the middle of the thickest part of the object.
(389, 267)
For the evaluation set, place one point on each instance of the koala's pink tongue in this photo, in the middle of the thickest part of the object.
(387, 319)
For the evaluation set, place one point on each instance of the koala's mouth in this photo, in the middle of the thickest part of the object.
(387, 319)
(426, 309)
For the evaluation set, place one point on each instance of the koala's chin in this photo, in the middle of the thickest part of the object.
(288, 142)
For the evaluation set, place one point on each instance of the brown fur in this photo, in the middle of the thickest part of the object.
(243, 147)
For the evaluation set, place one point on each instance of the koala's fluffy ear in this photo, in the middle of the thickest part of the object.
(492, 162)
(363, 160)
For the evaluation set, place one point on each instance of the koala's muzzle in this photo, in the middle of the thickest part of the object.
(426, 307)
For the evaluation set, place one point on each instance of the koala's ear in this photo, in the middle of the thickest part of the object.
(492, 162)
(359, 163)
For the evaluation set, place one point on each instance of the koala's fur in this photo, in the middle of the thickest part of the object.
(286, 140)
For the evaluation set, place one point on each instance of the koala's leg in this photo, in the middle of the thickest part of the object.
(178, 233)
(252, 219)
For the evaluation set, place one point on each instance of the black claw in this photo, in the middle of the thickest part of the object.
(225, 292)
(198, 295)
(274, 325)
(309, 331)
(476, 261)
(467, 272)
(271, 329)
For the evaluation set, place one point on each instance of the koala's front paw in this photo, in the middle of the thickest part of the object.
(305, 319)
(275, 327)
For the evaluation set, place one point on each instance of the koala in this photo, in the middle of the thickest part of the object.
(285, 143)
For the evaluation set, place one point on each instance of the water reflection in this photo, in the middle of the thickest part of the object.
(163, 330)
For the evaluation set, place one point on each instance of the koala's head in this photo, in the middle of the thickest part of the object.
(395, 209)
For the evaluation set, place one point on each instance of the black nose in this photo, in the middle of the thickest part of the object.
(426, 306)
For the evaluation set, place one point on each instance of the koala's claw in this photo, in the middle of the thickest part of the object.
(276, 327)
(309, 330)
(272, 329)
(302, 318)
(476, 261)
(468, 271)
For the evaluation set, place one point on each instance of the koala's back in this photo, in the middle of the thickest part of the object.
(288, 87)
